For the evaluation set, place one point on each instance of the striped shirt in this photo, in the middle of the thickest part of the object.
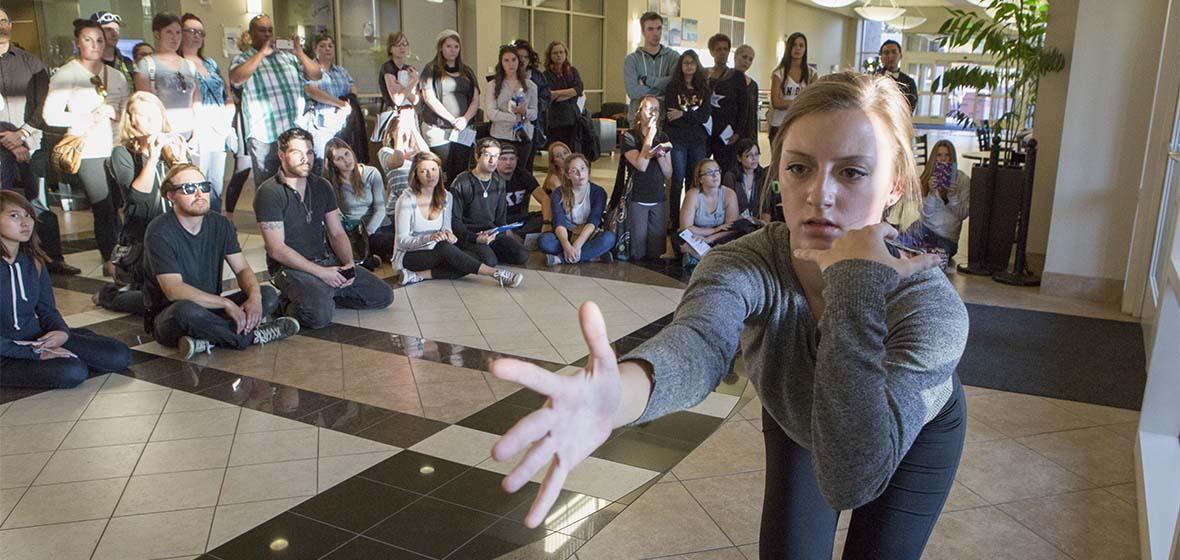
(273, 96)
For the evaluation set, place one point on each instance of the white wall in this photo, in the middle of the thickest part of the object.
(1103, 139)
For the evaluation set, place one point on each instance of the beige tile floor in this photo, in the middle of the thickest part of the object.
(134, 470)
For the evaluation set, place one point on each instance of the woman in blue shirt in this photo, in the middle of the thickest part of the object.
(213, 130)
(327, 109)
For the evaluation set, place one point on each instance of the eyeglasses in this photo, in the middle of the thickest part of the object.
(5, 21)
(195, 32)
(711, 173)
(99, 87)
(191, 188)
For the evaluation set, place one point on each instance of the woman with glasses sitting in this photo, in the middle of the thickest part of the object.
(87, 97)
(708, 211)
(148, 148)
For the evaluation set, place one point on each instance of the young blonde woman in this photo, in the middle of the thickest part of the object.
(577, 218)
(945, 203)
(852, 351)
(450, 99)
(709, 209)
(558, 152)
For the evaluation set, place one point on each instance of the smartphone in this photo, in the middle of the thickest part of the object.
(348, 273)
(284, 44)
(896, 249)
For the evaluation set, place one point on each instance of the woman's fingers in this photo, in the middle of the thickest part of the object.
(527, 430)
(538, 456)
(550, 490)
(594, 331)
(810, 255)
(530, 375)
(918, 263)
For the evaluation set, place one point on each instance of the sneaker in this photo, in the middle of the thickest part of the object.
(190, 346)
(63, 269)
(407, 277)
(283, 327)
(509, 278)
(552, 260)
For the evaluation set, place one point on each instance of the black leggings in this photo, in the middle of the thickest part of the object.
(798, 523)
(444, 261)
(92, 177)
(233, 190)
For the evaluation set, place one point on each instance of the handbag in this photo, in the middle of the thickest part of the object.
(127, 257)
(67, 154)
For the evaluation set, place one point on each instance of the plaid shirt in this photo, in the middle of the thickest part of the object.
(273, 96)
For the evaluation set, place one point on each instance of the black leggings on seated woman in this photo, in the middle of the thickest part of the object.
(444, 261)
(797, 522)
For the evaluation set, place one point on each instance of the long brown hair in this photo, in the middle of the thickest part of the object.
(785, 63)
(564, 71)
(188, 16)
(638, 122)
(500, 75)
(438, 64)
(332, 174)
(875, 95)
(438, 198)
(32, 247)
(554, 167)
(924, 180)
(567, 186)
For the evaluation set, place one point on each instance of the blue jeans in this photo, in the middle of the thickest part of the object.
(685, 156)
(95, 352)
(918, 232)
(798, 523)
(187, 318)
(596, 246)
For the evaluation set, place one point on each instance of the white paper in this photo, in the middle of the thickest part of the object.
(695, 242)
(465, 137)
(726, 134)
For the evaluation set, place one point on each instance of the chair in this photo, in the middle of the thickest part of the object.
(983, 135)
(614, 110)
(920, 149)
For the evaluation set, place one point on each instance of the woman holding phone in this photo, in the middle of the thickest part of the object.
(648, 156)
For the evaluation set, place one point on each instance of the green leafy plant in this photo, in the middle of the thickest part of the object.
(1015, 35)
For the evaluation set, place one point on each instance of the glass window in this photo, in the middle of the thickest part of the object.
(363, 29)
(555, 4)
(588, 6)
(514, 23)
(587, 50)
(739, 8)
(550, 27)
(727, 7)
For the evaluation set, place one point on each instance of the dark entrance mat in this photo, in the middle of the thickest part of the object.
(1097, 361)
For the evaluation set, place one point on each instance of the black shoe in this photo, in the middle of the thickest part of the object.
(373, 262)
(63, 269)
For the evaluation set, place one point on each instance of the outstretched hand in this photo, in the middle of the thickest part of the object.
(575, 420)
(868, 243)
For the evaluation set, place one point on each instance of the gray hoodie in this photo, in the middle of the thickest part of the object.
(658, 70)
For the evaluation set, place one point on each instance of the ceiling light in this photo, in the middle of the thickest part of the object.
(880, 13)
(907, 22)
(833, 3)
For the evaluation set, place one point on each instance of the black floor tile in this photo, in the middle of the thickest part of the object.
(285, 401)
(9, 394)
(413, 471)
(337, 333)
(684, 426)
(432, 527)
(363, 548)
(481, 490)
(506, 536)
(586, 527)
(497, 418)
(347, 416)
(527, 398)
(193, 378)
(76, 283)
(287, 536)
(644, 450)
(570, 508)
(356, 504)
(402, 430)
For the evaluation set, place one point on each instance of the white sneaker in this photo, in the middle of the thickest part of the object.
(407, 277)
(283, 327)
(508, 278)
(190, 346)
(552, 260)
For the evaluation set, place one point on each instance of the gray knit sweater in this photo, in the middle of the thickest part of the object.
(855, 392)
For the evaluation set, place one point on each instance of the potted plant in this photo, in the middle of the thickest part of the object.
(1013, 31)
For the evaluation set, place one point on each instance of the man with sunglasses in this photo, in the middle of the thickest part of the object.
(112, 25)
(185, 251)
(296, 213)
(272, 92)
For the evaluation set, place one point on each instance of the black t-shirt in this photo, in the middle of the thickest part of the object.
(518, 189)
(647, 186)
(477, 205)
(729, 99)
(303, 220)
(388, 68)
(198, 259)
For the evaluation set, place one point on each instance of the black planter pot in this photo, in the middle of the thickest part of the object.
(995, 212)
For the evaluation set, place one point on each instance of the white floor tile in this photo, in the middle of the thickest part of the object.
(32, 438)
(124, 384)
(271, 447)
(8, 499)
(155, 493)
(91, 463)
(256, 421)
(716, 404)
(196, 424)
(126, 404)
(232, 520)
(53, 408)
(110, 431)
(333, 443)
(62, 503)
(253, 483)
(181, 401)
(459, 444)
(334, 470)
(155, 535)
(185, 455)
(68, 541)
(18, 471)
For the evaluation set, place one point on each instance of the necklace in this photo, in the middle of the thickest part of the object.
(484, 185)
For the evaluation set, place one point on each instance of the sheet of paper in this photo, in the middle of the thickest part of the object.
(465, 137)
(693, 241)
(727, 133)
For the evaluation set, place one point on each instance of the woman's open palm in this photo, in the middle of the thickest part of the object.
(575, 420)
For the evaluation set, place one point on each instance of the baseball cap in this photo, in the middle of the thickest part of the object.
(103, 18)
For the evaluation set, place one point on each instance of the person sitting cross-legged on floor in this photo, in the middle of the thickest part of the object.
(296, 213)
(577, 218)
(709, 210)
(481, 206)
(425, 243)
(185, 249)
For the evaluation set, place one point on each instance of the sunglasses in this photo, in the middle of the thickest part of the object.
(191, 188)
(99, 87)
